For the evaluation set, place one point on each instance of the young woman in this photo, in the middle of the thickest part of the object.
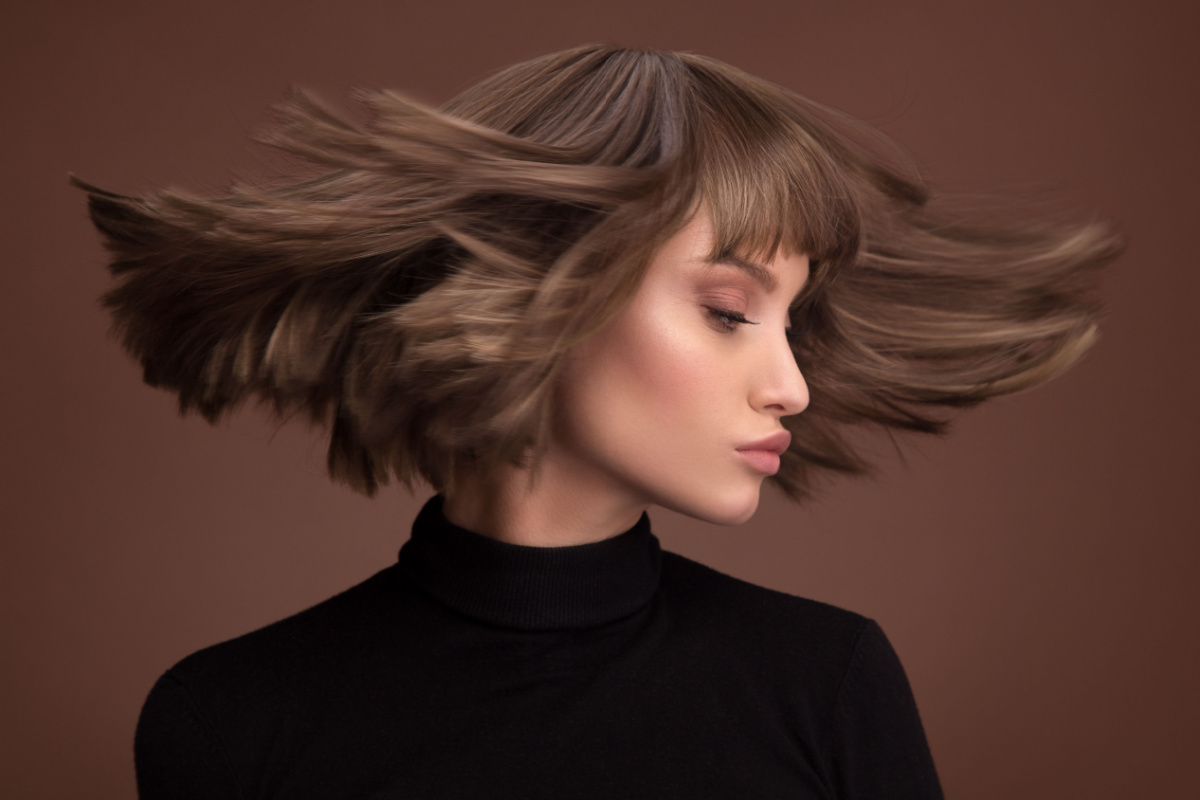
(601, 280)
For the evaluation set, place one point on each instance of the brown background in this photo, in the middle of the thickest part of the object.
(1036, 570)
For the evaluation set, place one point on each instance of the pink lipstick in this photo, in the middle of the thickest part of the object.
(763, 455)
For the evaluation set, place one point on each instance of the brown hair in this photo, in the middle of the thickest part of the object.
(420, 290)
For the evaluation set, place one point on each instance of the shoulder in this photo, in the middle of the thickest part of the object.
(831, 673)
(297, 648)
(725, 600)
(206, 719)
(784, 639)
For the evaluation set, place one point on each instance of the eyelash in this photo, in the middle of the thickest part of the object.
(729, 321)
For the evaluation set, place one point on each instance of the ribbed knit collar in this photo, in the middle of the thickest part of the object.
(531, 588)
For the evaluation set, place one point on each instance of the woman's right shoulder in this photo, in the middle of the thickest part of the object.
(329, 630)
(205, 719)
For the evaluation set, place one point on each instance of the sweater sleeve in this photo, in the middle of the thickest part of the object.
(878, 746)
(176, 752)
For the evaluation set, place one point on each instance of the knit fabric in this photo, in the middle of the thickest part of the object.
(475, 668)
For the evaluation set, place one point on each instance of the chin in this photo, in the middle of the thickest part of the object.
(728, 507)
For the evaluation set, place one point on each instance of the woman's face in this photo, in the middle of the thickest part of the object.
(654, 408)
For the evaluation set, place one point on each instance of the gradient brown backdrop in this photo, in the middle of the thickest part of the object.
(1036, 570)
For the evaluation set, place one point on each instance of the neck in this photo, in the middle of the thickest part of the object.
(558, 505)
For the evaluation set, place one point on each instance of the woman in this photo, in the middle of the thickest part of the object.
(600, 280)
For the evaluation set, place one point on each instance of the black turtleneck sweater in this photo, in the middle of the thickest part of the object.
(474, 668)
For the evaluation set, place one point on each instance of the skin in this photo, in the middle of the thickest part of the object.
(652, 409)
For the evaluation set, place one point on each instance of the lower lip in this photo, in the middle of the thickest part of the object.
(765, 461)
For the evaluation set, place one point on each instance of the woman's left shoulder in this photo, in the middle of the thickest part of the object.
(725, 605)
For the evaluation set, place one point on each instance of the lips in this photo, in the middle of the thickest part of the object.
(775, 443)
(763, 455)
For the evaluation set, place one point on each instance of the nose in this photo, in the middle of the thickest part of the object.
(778, 385)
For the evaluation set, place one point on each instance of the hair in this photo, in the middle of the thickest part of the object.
(418, 289)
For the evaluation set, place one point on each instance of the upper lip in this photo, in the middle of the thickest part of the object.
(777, 442)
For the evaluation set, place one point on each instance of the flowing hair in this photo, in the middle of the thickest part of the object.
(418, 289)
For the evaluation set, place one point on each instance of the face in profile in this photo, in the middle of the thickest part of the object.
(663, 405)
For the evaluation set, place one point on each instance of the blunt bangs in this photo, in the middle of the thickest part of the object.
(768, 180)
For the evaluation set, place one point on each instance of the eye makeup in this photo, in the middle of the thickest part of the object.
(728, 292)
(729, 320)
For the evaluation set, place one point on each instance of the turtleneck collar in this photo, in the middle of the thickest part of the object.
(531, 588)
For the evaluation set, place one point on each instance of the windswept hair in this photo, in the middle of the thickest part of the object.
(417, 291)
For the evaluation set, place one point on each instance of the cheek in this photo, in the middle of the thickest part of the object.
(652, 388)
(676, 378)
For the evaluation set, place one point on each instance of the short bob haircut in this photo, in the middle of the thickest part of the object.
(419, 289)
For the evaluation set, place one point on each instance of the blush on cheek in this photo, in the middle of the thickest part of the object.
(664, 365)
(672, 379)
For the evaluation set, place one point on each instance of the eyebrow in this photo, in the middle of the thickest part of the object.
(761, 275)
